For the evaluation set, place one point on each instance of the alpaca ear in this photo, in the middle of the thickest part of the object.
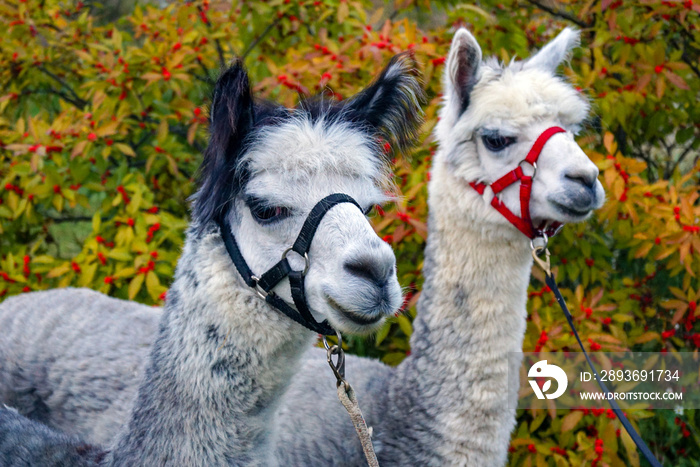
(391, 105)
(461, 70)
(231, 121)
(558, 49)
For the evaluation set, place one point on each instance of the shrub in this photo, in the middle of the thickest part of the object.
(102, 124)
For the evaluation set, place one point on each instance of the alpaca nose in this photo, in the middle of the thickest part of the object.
(375, 266)
(586, 177)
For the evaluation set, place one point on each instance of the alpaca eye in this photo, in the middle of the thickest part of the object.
(496, 142)
(269, 214)
(264, 213)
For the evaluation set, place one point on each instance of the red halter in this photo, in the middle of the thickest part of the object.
(523, 223)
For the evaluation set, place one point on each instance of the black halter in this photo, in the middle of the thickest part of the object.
(264, 284)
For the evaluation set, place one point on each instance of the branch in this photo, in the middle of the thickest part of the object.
(561, 14)
(260, 37)
(206, 72)
(678, 161)
(82, 103)
(64, 96)
(61, 220)
(220, 51)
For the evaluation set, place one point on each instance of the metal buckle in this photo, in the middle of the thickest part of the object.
(259, 290)
(306, 259)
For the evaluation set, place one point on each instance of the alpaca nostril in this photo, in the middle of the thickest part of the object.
(586, 179)
(367, 268)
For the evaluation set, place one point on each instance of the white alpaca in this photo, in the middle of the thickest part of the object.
(451, 401)
(222, 356)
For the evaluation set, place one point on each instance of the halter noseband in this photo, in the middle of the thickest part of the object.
(524, 222)
(264, 283)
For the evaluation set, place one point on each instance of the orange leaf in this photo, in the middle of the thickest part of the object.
(676, 80)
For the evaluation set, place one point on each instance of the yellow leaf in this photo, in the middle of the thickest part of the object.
(630, 447)
(672, 304)
(153, 285)
(405, 325)
(135, 286)
(57, 202)
(646, 337)
(108, 129)
(343, 12)
(660, 87)
(87, 275)
(78, 149)
(120, 254)
(96, 222)
(162, 132)
(609, 142)
(151, 77)
(126, 272)
(125, 149)
(191, 132)
(58, 271)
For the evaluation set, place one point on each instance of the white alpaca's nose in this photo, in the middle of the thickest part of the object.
(586, 176)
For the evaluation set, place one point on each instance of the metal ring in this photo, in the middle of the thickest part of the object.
(259, 290)
(340, 341)
(533, 164)
(306, 259)
(538, 249)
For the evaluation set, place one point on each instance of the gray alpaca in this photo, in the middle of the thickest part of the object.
(222, 357)
(449, 403)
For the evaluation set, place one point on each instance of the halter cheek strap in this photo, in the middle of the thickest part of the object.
(524, 222)
(264, 284)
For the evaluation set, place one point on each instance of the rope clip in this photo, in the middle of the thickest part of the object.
(338, 367)
(539, 245)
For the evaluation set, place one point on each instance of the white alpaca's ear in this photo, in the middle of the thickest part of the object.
(555, 52)
(461, 70)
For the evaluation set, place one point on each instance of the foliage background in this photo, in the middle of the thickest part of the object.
(102, 121)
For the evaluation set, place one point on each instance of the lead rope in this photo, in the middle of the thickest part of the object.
(347, 397)
(537, 250)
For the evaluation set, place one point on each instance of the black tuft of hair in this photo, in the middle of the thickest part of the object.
(391, 105)
(389, 108)
(232, 117)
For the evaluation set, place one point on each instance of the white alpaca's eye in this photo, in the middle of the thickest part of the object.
(495, 142)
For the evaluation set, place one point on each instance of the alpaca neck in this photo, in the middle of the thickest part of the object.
(221, 360)
(452, 396)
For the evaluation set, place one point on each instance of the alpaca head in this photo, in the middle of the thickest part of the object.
(493, 114)
(267, 166)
